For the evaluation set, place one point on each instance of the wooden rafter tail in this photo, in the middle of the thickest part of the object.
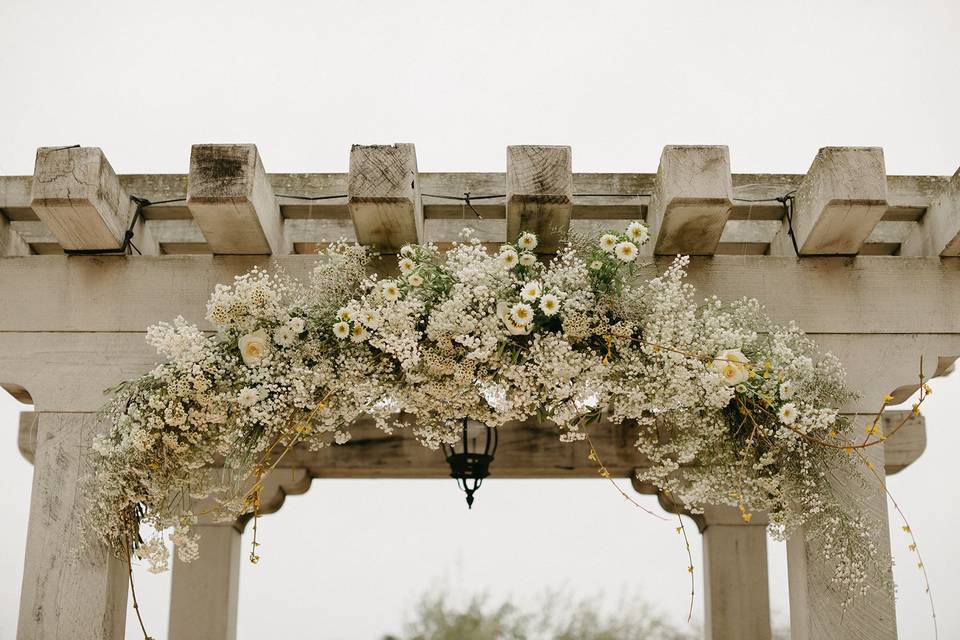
(838, 204)
(232, 201)
(79, 198)
(539, 193)
(938, 232)
(384, 196)
(692, 200)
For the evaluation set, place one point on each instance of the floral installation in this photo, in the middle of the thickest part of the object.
(733, 409)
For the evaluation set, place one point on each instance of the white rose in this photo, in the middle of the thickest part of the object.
(254, 347)
(731, 365)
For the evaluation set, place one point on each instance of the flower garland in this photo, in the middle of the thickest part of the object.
(732, 408)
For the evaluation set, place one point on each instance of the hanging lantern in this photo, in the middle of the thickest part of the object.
(470, 458)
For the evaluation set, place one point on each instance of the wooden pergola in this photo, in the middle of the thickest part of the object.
(868, 264)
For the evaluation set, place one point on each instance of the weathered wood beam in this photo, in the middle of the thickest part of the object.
(691, 201)
(232, 202)
(384, 196)
(938, 232)
(539, 193)
(839, 202)
(27, 435)
(906, 446)
(76, 193)
(133, 294)
(11, 242)
(82, 595)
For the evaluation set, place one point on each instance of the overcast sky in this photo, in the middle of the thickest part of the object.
(616, 81)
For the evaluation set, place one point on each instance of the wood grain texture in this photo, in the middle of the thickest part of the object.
(839, 202)
(692, 199)
(384, 196)
(539, 193)
(76, 193)
(67, 592)
(232, 201)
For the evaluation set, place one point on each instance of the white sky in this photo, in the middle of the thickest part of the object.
(616, 81)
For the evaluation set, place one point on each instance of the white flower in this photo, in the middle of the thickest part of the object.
(414, 280)
(626, 251)
(528, 259)
(358, 333)
(284, 336)
(407, 266)
(345, 314)
(638, 232)
(549, 304)
(788, 413)
(254, 346)
(508, 258)
(521, 313)
(786, 390)
(531, 291)
(527, 241)
(607, 242)
(390, 290)
(371, 318)
(297, 325)
(407, 251)
(596, 265)
(247, 397)
(731, 364)
(341, 330)
(517, 329)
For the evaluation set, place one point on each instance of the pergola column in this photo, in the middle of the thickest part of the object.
(815, 609)
(68, 590)
(736, 589)
(203, 593)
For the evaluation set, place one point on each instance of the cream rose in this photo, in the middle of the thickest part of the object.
(254, 347)
(731, 365)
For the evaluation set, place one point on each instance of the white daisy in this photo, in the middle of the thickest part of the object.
(371, 318)
(407, 251)
(638, 232)
(596, 265)
(358, 333)
(390, 290)
(341, 330)
(284, 336)
(607, 242)
(786, 390)
(407, 266)
(531, 291)
(788, 413)
(508, 258)
(521, 313)
(247, 397)
(626, 251)
(549, 304)
(345, 314)
(527, 241)
(414, 280)
(528, 259)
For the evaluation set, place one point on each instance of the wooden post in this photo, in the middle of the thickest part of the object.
(539, 193)
(232, 202)
(737, 597)
(203, 593)
(79, 197)
(815, 611)
(384, 196)
(67, 591)
(839, 202)
(691, 201)
(938, 231)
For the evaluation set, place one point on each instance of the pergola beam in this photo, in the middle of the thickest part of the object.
(539, 193)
